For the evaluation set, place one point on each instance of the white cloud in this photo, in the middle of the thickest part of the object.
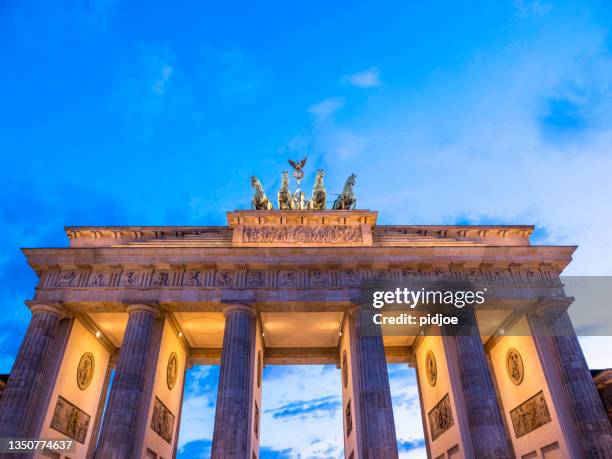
(198, 414)
(308, 435)
(327, 108)
(367, 79)
(491, 156)
(406, 408)
(596, 350)
(161, 83)
(149, 88)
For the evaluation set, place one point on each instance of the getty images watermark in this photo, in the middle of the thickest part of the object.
(412, 298)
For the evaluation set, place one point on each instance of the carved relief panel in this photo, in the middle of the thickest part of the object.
(162, 421)
(70, 420)
(301, 234)
(530, 415)
(441, 417)
(349, 419)
(193, 278)
(131, 278)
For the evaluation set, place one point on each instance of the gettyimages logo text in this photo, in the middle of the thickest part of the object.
(412, 298)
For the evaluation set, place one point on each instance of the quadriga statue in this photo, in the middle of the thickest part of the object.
(319, 195)
(260, 201)
(285, 201)
(346, 200)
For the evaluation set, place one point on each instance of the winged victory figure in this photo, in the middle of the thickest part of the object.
(298, 173)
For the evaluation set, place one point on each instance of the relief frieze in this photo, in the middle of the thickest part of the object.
(350, 277)
(66, 279)
(288, 278)
(192, 278)
(530, 415)
(318, 278)
(131, 278)
(99, 279)
(70, 420)
(302, 234)
(441, 417)
(256, 279)
(224, 278)
(162, 421)
(161, 279)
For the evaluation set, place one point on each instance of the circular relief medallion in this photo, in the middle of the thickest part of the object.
(172, 370)
(259, 369)
(431, 370)
(85, 370)
(514, 366)
(344, 369)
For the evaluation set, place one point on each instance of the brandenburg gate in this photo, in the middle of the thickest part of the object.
(283, 286)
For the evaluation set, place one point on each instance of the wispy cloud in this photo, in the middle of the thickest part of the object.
(197, 449)
(327, 108)
(266, 452)
(366, 79)
(319, 407)
(410, 445)
(541, 129)
(306, 426)
(161, 83)
(198, 412)
(149, 89)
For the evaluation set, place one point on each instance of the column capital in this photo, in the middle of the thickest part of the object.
(546, 304)
(239, 307)
(50, 308)
(143, 307)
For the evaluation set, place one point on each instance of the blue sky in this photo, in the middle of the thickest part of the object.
(117, 112)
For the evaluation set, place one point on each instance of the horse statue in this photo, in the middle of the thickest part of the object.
(319, 195)
(346, 200)
(299, 201)
(260, 201)
(285, 201)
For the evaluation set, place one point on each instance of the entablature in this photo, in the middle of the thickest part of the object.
(304, 228)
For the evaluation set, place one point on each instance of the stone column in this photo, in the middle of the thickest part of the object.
(233, 417)
(371, 388)
(592, 423)
(19, 397)
(123, 413)
(486, 425)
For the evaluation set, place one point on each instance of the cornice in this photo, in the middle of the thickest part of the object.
(243, 222)
(177, 262)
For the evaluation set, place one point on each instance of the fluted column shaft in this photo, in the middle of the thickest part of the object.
(486, 425)
(19, 397)
(118, 433)
(371, 385)
(232, 433)
(592, 423)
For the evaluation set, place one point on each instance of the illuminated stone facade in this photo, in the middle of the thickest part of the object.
(280, 287)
